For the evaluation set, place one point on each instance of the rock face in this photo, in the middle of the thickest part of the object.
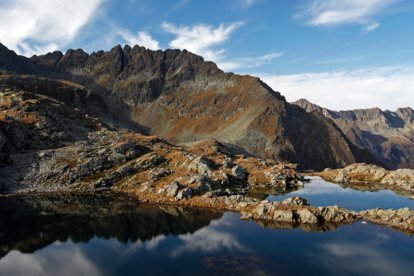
(178, 96)
(387, 135)
(401, 179)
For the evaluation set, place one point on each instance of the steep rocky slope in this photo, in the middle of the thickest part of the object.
(177, 95)
(388, 135)
(53, 139)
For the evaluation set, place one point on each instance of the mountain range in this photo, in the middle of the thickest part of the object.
(180, 97)
(388, 135)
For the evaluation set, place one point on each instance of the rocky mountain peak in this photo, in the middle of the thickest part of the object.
(307, 105)
(406, 113)
(388, 135)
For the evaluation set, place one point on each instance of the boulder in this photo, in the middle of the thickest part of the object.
(336, 214)
(284, 215)
(172, 189)
(402, 178)
(295, 200)
(185, 194)
(202, 165)
(306, 216)
(239, 173)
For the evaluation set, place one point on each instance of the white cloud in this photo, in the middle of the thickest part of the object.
(201, 39)
(383, 87)
(141, 39)
(338, 12)
(207, 240)
(30, 27)
(249, 62)
(205, 40)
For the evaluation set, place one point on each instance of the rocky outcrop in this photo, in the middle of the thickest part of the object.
(402, 219)
(178, 96)
(399, 180)
(387, 135)
(280, 212)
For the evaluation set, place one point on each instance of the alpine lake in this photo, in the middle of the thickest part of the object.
(112, 235)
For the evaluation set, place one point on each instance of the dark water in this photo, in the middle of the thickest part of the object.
(321, 193)
(99, 238)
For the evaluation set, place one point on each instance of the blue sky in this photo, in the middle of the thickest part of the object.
(342, 54)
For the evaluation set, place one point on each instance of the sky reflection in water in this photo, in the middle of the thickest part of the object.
(321, 193)
(226, 245)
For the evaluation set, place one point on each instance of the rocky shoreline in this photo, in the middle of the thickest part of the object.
(372, 177)
(204, 175)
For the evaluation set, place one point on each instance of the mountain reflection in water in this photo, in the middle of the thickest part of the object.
(114, 235)
(27, 224)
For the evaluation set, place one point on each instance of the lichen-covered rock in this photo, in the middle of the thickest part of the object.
(402, 178)
(274, 211)
(361, 173)
(185, 194)
(295, 200)
(157, 173)
(171, 189)
(283, 215)
(307, 216)
(202, 165)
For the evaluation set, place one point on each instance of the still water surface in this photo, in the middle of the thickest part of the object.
(105, 240)
(321, 193)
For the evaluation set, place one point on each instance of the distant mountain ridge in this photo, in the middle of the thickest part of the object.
(177, 95)
(386, 134)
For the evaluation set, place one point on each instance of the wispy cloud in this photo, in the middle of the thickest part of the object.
(249, 62)
(207, 41)
(30, 27)
(338, 12)
(178, 6)
(364, 256)
(339, 90)
(201, 39)
(247, 3)
(141, 39)
(370, 27)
